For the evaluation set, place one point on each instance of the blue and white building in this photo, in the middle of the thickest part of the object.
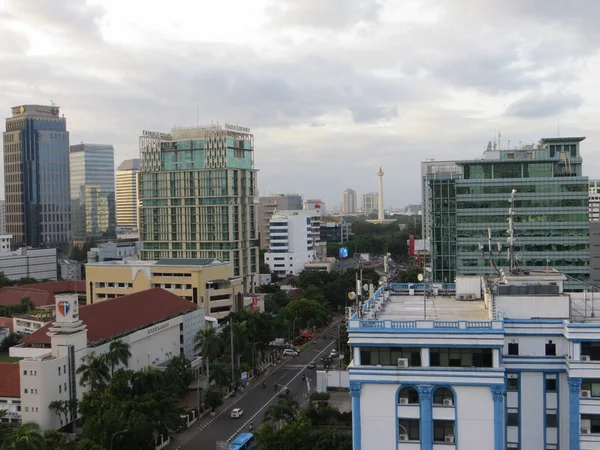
(518, 369)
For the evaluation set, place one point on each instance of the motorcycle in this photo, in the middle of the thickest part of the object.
(264, 385)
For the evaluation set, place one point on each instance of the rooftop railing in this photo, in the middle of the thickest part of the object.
(441, 326)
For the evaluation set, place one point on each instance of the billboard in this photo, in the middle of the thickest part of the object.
(343, 253)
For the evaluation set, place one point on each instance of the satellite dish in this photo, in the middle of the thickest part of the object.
(351, 295)
(420, 277)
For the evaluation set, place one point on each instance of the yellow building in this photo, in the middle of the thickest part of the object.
(197, 280)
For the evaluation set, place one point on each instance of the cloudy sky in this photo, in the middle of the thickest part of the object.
(331, 88)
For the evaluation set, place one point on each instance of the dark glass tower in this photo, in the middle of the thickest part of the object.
(36, 172)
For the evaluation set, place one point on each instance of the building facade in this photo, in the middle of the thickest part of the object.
(24, 262)
(350, 202)
(293, 241)
(2, 217)
(267, 206)
(335, 229)
(126, 202)
(483, 375)
(370, 201)
(93, 191)
(594, 201)
(156, 324)
(471, 208)
(37, 177)
(206, 283)
(197, 187)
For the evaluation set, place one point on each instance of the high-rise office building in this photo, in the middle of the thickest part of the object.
(2, 217)
(267, 206)
(350, 203)
(466, 207)
(36, 177)
(127, 194)
(93, 191)
(197, 188)
(370, 202)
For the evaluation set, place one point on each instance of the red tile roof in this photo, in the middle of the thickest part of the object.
(119, 316)
(8, 322)
(40, 294)
(10, 381)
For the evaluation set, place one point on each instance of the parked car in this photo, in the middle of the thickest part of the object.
(284, 392)
(290, 352)
(237, 413)
(312, 365)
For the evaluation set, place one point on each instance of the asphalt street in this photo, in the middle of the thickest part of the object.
(255, 400)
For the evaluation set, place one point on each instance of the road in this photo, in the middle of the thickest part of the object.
(255, 400)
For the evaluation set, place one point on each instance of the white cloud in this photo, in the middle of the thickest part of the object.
(332, 89)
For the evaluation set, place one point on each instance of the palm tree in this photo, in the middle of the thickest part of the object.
(147, 380)
(26, 437)
(280, 414)
(95, 373)
(208, 342)
(58, 406)
(220, 374)
(118, 353)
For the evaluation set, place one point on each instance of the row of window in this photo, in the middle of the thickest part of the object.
(441, 396)
(438, 357)
(410, 430)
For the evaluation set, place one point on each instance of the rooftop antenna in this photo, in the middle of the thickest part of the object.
(511, 231)
(499, 141)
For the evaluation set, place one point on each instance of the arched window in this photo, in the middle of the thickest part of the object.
(443, 397)
(408, 396)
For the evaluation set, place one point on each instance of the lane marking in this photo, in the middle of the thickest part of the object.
(232, 437)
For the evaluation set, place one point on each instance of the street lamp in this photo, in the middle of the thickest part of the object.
(112, 439)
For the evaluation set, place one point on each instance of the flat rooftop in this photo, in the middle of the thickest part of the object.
(162, 262)
(410, 307)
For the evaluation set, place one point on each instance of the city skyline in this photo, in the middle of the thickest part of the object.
(322, 93)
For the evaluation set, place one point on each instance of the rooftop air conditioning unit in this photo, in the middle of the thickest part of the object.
(404, 437)
(469, 297)
(402, 362)
(586, 394)
(585, 358)
(403, 401)
(447, 402)
(449, 439)
(585, 431)
(461, 297)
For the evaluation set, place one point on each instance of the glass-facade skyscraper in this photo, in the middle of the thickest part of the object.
(36, 177)
(197, 187)
(467, 207)
(93, 191)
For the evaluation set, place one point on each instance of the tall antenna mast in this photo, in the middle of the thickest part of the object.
(511, 231)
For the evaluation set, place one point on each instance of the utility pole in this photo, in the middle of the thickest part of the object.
(231, 335)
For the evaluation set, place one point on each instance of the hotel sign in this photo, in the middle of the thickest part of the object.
(158, 328)
(236, 128)
(153, 134)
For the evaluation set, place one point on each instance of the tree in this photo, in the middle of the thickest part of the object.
(209, 343)
(95, 372)
(221, 374)
(179, 371)
(26, 437)
(214, 398)
(118, 353)
(59, 408)
(11, 340)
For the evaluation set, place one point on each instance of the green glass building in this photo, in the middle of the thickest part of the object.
(196, 190)
(551, 211)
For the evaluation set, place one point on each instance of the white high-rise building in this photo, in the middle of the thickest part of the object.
(127, 196)
(370, 202)
(350, 203)
(295, 239)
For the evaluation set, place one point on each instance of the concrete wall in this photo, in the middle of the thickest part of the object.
(513, 307)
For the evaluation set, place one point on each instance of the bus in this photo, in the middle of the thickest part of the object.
(245, 441)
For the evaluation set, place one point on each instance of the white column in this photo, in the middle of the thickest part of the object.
(425, 357)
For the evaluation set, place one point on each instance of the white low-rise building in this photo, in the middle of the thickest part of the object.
(26, 262)
(156, 324)
(519, 369)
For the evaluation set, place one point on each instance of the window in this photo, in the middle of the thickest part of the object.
(408, 395)
(443, 394)
(550, 349)
(388, 356)
(461, 357)
(592, 385)
(594, 422)
(591, 349)
(551, 419)
(512, 383)
(59, 371)
(59, 389)
(25, 391)
(513, 348)
(550, 384)
(513, 419)
(442, 429)
(409, 428)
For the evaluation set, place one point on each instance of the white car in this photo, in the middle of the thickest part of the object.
(237, 413)
(290, 352)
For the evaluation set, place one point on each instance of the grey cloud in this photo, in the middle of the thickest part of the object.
(373, 113)
(334, 15)
(537, 105)
(67, 17)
